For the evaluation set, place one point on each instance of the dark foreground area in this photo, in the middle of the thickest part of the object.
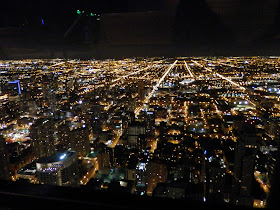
(29, 196)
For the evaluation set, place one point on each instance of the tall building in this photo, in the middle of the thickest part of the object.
(135, 130)
(13, 87)
(49, 87)
(141, 178)
(96, 123)
(79, 141)
(156, 173)
(104, 162)
(273, 197)
(216, 174)
(141, 90)
(42, 135)
(273, 128)
(59, 169)
(76, 139)
(63, 134)
(244, 164)
(4, 160)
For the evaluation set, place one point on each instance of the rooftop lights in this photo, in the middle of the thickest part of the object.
(62, 156)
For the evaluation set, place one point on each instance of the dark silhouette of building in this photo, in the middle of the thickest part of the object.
(96, 123)
(244, 164)
(216, 174)
(4, 160)
(273, 197)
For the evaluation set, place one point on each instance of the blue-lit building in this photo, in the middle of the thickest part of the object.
(59, 169)
(17, 85)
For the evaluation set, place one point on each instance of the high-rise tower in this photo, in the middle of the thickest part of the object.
(42, 135)
(244, 164)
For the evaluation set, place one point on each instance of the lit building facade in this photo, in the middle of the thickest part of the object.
(134, 130)
(42, 135)
(156, 173)
(79, 141)
(59, 169)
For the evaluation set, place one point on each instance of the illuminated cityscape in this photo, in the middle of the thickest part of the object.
(199, 128)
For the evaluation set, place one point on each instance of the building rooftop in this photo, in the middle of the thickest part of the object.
(62, 155)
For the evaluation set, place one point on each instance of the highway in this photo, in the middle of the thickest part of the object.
(219, 75)
(189, 70)
(57, 64)
(138, 109)
(133, 73)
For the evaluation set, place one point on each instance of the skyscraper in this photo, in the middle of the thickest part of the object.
(42, 135)
(141, 178)
(104, 162)
(96, 123)
(216, 178)
(79, 140)
(63, 134)
(76, 139)
(156, 173)
(135, 130)
(244, 164)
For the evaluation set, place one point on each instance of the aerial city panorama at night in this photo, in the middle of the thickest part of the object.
(184, 128)
(123, 104)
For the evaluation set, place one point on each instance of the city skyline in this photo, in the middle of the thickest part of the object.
(139, 104)
(198, 128)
